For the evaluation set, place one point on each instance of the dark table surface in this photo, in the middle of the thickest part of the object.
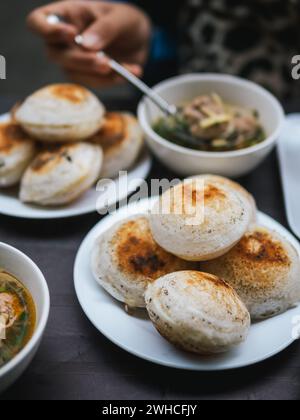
(76, 362)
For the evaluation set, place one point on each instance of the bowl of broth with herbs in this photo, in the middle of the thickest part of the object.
(17, 316)
(24, 310)
(208, 123)
(225, 125)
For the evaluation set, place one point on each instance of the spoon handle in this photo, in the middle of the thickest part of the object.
(139, 84)
(53, 19)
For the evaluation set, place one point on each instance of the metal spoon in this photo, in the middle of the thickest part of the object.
(168, 109)
(162, 104)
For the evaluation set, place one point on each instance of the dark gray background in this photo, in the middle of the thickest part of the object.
(27, 66)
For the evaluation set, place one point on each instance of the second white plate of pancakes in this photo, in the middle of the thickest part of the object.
(135, 333)
(20, 157)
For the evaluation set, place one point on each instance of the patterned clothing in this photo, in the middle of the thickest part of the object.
(255, 39)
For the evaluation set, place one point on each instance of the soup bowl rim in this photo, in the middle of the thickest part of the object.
(30, 347)
(225, 79)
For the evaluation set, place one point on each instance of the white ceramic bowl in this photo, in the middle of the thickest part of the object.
(233, 90)
(19, 265)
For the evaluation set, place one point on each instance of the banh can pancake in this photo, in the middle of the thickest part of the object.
(197, 312)
(17, 150)
(201, 218)
(60, 175)
(121, 139)
(264, 269)
(126, 259)
(61, 113)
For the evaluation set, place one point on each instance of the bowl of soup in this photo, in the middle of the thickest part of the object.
(226, 125)
(24, 311)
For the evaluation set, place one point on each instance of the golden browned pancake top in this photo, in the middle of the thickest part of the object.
(46, 160)
(11, 136)
(259, 247)
(112, 133)
(137, 253)
(215, 287)
(68, 92)
(187, 195)
(210, 193)
(197, 277)
(260, 263)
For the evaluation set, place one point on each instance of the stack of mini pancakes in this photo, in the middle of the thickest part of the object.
(200, 264)
(60, 141)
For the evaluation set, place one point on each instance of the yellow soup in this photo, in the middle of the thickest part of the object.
(17, 317)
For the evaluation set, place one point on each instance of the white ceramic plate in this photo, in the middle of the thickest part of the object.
(137, 334)
(10, 205)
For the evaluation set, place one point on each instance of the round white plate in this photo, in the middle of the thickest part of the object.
(138, 336)
(90, 202)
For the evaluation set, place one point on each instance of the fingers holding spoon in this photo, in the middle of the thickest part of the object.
(122, 71)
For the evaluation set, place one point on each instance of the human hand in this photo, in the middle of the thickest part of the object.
(123, 31)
